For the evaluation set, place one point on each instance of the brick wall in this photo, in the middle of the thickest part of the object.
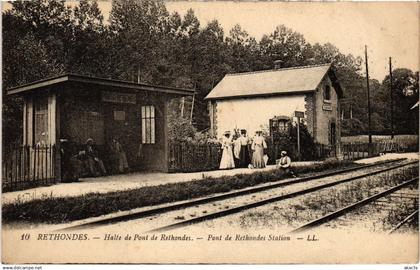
(326, 113)
(310, 111)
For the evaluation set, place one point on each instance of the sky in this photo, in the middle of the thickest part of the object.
(389, 29)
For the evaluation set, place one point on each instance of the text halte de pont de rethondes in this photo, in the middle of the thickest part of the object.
(161, 237)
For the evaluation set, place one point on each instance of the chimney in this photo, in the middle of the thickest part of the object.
(278, 64)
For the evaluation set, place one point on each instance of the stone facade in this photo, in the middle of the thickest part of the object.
(326, 114)
(310, 112)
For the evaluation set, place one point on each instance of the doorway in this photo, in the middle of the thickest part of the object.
(122, 123)
(332, 134)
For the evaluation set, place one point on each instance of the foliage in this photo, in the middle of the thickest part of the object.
(405, 87)
(180, 129)
(143, 42)
(288, 142)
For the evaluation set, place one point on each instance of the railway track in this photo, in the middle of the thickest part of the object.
(230, 211)
(234, 194)
(338, 213)
(404, 221)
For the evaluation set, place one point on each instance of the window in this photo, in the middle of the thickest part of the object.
(279, 126)
(148, 124)
(282, 126)
(327, 92)
(41, 120)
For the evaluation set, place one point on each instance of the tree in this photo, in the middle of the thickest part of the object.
(143, 42)
(34, 63)
(283, 44)
(243, 50)
(45, 38)
(405, 94)
(137, 28)
(88, 43)
(348, 70)
(49, 21)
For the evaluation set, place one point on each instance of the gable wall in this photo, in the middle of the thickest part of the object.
(326, 113)
(253, 113)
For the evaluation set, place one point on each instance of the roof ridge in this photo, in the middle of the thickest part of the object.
(72, 76)
(275, 70)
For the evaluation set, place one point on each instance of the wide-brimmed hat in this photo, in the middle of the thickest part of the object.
(283, 152)
(90, 140)
(226, 132)
(243, 131)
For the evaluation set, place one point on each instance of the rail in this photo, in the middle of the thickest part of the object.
(347, 209)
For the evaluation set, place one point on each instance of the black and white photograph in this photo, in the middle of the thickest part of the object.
(210, 132)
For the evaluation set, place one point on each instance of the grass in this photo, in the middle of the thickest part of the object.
(353, 192)
(317, 204)
(59, 210)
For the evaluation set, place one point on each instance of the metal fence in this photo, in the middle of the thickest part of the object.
(352, 151)
(28, 166)
(193, 157)
(355, 151)
(323, 151)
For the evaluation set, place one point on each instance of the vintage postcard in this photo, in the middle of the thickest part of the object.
(215, 132)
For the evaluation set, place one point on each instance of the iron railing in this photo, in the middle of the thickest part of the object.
(28, 166)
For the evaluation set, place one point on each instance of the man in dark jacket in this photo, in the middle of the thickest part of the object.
(94, 164)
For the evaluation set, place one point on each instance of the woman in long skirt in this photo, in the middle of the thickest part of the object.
(119, 157)
(258, 146)
(242, 145)
(227, 161)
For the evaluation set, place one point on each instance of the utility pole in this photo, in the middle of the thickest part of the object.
(298, 137)
(182, 106)
(192, 108)
(392, 102)
(368, 100)
(298, 115)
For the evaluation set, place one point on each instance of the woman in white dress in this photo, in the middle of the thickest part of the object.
(258, 146)
(227, 161)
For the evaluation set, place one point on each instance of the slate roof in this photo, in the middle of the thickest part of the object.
(294, 80)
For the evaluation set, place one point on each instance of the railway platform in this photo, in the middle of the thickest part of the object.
(136, 180)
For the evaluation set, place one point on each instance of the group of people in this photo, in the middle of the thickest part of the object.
(243, 152)
(240, 151)
(87, 162)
